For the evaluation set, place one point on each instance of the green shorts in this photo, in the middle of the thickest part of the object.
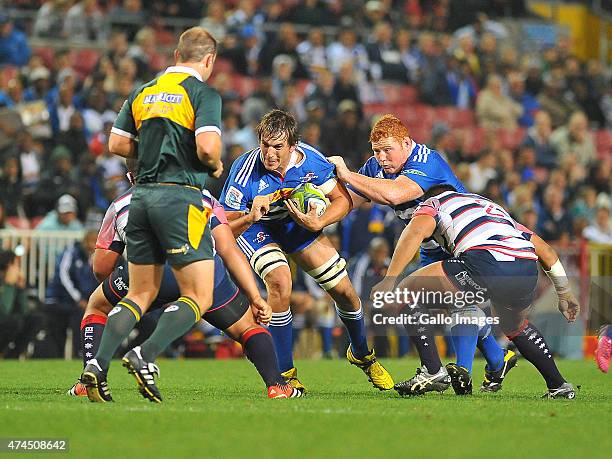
(168, 222)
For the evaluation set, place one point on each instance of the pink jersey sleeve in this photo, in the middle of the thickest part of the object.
(523, 228)
(429, 207)
(219, 212)
(107, 232)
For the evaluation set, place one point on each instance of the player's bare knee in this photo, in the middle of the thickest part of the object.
(278, 285)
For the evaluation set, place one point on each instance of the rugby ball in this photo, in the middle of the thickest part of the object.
(307, 193)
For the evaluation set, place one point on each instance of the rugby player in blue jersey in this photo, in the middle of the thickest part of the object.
(397, 175)
(271, 227)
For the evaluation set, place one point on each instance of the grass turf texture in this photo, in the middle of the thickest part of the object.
(219, 409)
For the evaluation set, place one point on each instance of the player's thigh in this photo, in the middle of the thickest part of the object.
(233, 318)
(180, 222)
(98, 302)
(144, 283)
(142, 243)
(196, 281)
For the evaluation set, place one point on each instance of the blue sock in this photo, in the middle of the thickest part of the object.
(355, 325)
(281, 330)
(326, 339)
(491, 351)
(403, 345)
(464, 339)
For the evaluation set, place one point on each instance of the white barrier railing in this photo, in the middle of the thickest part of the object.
(41, 251)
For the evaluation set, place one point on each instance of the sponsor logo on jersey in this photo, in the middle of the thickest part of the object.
(283, 193)
(308, 177)
(163, 97)
(233, 198)
(415, 172)
(182, 249)
(262, 185)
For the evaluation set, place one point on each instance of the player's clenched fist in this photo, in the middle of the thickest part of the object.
(218, 170)
(259, 208)
(261, 310)
(341, 170)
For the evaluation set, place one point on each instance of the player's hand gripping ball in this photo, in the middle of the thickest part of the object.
(308, 194)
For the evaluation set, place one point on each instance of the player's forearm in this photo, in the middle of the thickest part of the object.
(553, 268)
(406, 249)
(240, 224)
(336, 211)
(381, 190)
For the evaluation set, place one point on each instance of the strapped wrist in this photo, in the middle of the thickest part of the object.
(558, 277)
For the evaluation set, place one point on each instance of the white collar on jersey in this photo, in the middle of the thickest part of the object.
(183, 69)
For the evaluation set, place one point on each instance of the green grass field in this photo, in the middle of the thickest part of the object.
(218, 409)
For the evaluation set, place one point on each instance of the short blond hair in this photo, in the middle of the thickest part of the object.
(388, 126)
(194, 44)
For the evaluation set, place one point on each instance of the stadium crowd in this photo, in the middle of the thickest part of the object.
(528, 128)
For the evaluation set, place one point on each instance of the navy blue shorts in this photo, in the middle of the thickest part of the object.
(429, 256)
(290, 236)
(229, 304)
(508, 284)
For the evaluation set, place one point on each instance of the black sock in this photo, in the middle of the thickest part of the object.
(531, 344)
(259, 348)
(92, 328)
(422, 337)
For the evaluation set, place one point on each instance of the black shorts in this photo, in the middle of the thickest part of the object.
(508, 284)
(115, 287)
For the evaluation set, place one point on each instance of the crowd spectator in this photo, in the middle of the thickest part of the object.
(11, 187)
(85, 21)
(538, 137)
(348, 135)
(494, 109)
(575, 140)
(214, 21)
(516, 86)
(63, 218)
(14, 48)
(19, 323)
(600, 231)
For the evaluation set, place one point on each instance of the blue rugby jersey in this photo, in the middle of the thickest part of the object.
(424, 166)
(249, 178)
